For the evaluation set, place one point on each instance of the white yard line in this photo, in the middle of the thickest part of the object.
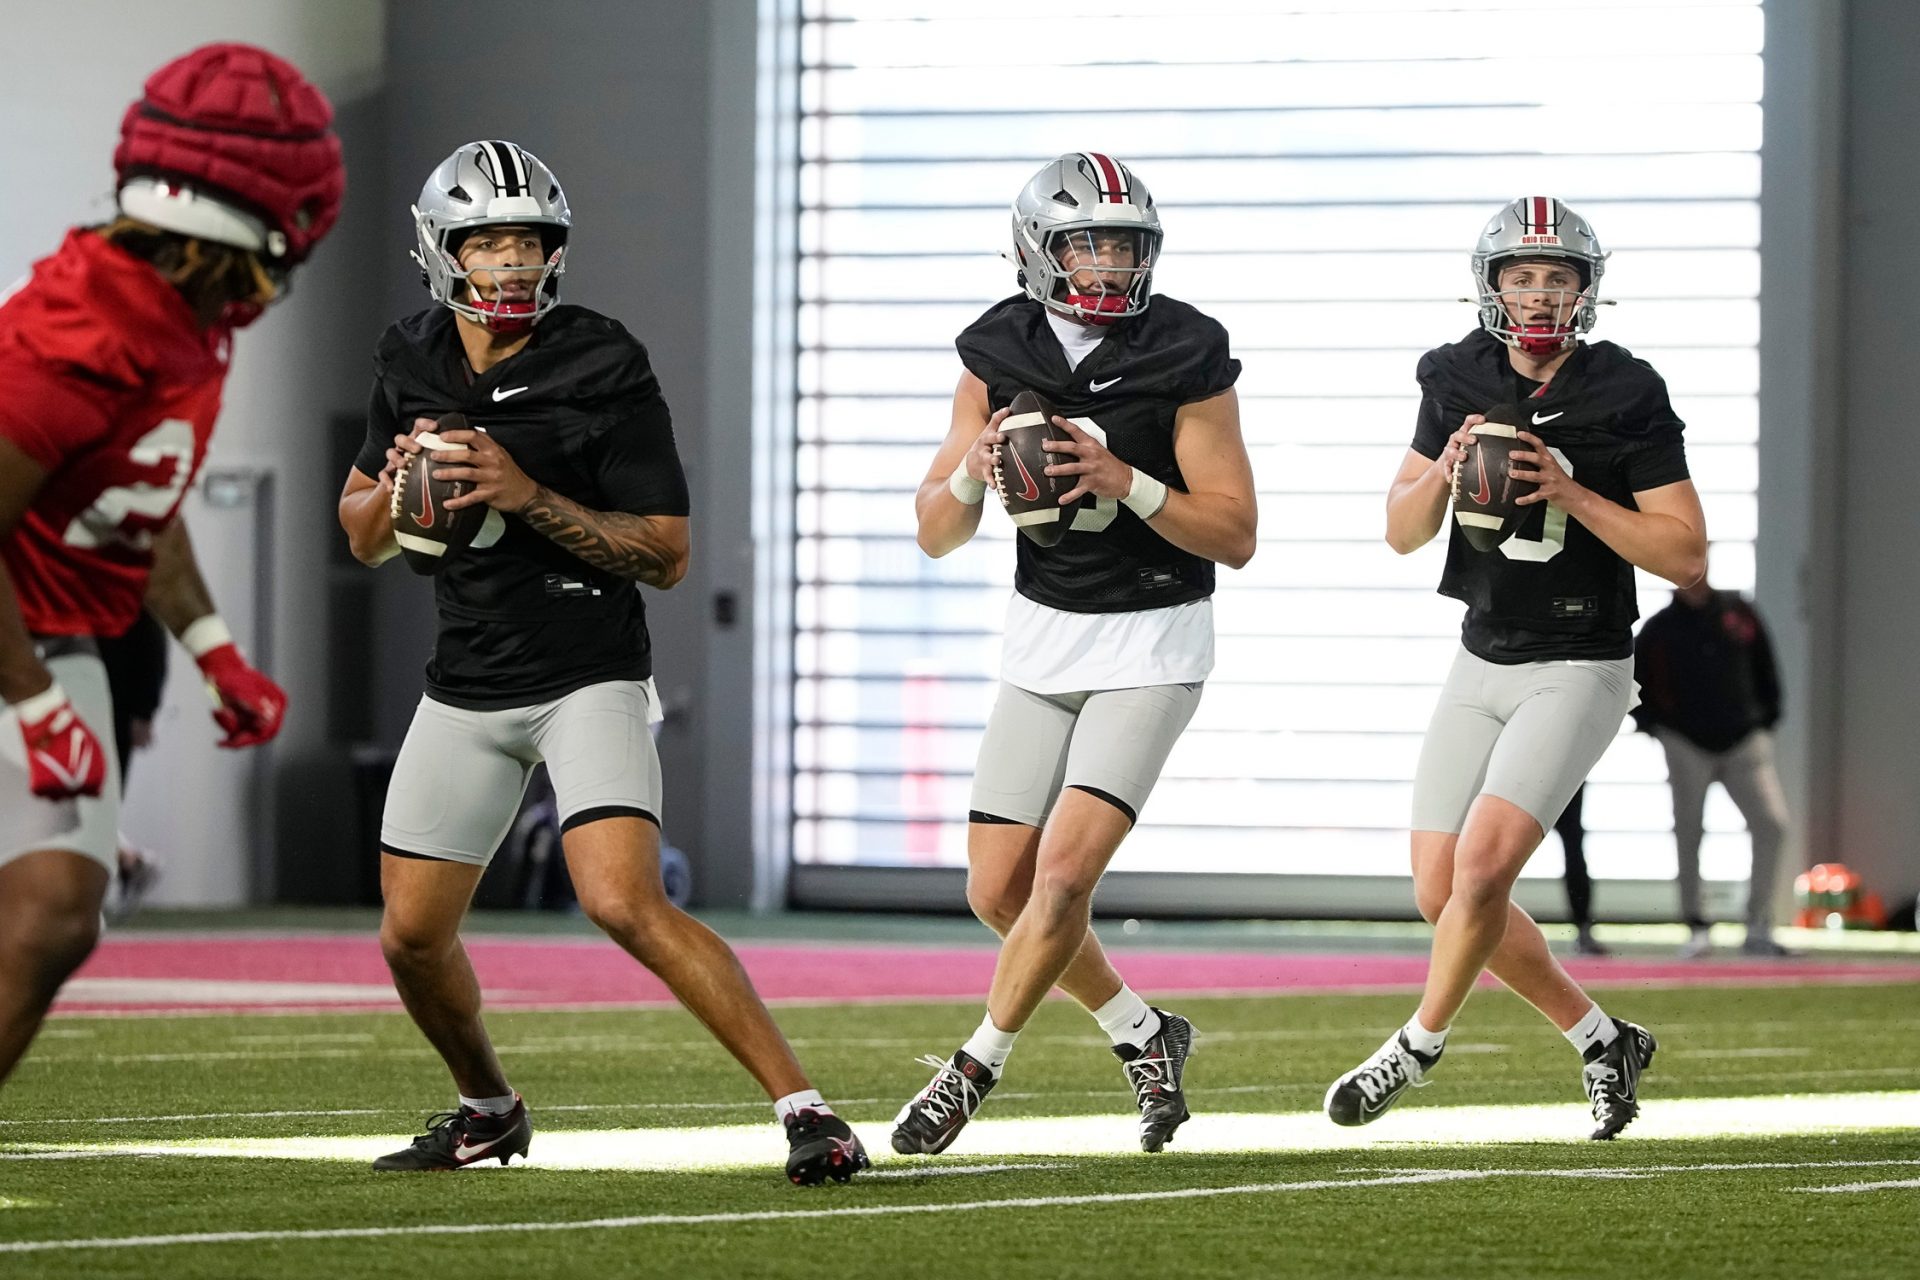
(860, 1211)
(1865, 1186)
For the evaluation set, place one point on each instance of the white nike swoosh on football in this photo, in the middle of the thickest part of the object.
(1102, 386)
(1539, 418)
(499, 395)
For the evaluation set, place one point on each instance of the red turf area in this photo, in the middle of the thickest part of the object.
(346, 971)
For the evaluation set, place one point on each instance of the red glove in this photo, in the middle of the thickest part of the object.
(247, 704)
(64, 759)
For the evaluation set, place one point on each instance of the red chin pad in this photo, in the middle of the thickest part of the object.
(1541, 339)
(506, 317)
(1099, 308)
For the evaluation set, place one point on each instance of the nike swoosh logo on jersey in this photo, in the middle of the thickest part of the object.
(1032, 492)
(1539, 418)
(1486, 490)
(500, 393)
(1102, 386)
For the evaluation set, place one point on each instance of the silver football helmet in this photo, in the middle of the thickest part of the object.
(1088, 210)
(1537, 227)
(491, 184)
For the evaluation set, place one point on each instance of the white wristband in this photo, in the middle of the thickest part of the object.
(1145, 496)
(40, 705)
(204, 635)
(965, 487)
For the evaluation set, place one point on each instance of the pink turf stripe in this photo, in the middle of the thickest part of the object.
(586, 971)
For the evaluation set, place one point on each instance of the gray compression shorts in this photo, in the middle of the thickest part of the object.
(1112, 743)
(89, 826)
(1528, 733)
(458, 782)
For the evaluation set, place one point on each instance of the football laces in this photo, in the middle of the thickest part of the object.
(999, 474)
(397, 503)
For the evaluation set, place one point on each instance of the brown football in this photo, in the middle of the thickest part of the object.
(1486, 495)
(430, 536)
(1031, 496)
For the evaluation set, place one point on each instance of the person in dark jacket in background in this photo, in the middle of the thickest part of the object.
(1710, 694)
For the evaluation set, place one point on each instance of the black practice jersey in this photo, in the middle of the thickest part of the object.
(580, 411)
(1553, 590)
(1129, 387)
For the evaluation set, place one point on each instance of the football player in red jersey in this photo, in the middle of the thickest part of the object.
(115, 352)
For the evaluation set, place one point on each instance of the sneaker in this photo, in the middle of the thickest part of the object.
(1363, 1094)
(1699, 943)
(1584, 943)
(455, 1139)
(1611, 1078)
(820, 1145)
(929, 1124)
(137, 873)
(1759, 944)
(1154, 1072)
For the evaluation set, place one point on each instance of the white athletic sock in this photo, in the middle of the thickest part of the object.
(1127, 1020)
(490, 1106)
(1422, 1041)
(991, 1045)
(1595, 1028)
(806, 1099)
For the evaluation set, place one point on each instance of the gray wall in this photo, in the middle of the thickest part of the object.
(1838, 407)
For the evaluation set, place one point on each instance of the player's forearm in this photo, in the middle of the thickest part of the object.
(1217, 526)
(945, 522)
(22, 674)
(176, 593)
(369, 528)
(1416, 510)
(643, 549)
(1661, 544)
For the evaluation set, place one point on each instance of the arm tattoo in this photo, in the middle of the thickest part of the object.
(623, 544)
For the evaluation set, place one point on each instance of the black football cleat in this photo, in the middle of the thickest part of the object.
(820, 1145)
(1363, 1094)
(456, 1139)
(1155, 1073)
(1611, 1078)
(929, 1124)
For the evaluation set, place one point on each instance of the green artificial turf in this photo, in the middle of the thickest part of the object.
(1531, 1209)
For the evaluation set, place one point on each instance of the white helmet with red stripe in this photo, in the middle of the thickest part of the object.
(1088, 208)
(1537, 228)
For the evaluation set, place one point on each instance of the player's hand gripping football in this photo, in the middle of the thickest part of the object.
(1455, 450)
(247, 704)
(984, 452)
(478, 459)
(64, 759)
(1099, 472)
(1543, 469)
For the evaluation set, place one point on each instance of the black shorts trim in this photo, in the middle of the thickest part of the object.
(417, 857)
(1110, 798)
(993, 819)
(598, 812)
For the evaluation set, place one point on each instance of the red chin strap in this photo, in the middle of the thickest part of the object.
(1099, 308)
(1541, 339)
(505, 317)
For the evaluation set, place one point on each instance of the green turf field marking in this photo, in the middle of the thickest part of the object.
(1417, 1177)
(1904, 1184)
(748, 1146)
(947, 1170)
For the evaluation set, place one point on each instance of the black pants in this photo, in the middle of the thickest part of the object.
(1573, 838)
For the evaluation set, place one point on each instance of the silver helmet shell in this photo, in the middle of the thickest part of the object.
(1537, 227)
(490, 183)
(1070, 199)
